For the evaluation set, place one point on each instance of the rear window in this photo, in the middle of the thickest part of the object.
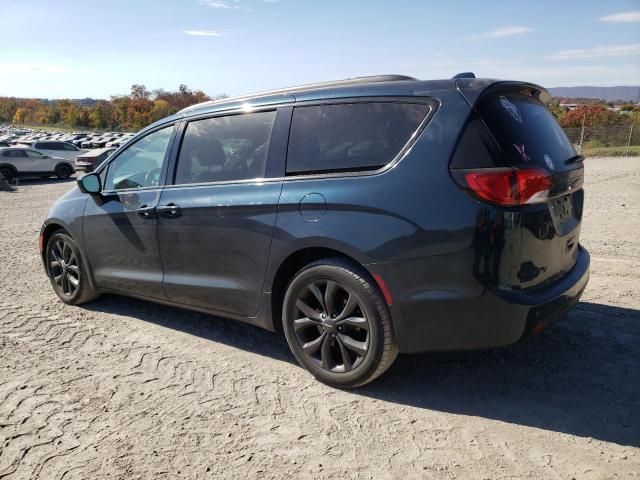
(525, 130)
(350, 137)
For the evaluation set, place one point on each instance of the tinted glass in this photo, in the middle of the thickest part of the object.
(350, 137)
(526, 131)
(33, 154)
(69, 147)
(225, 148)
(14, 154)
(140, 164)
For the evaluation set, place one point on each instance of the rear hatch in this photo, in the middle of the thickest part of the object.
(527, 166)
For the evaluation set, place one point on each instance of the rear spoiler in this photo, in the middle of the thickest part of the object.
(472, 89)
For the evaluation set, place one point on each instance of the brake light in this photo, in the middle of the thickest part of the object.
(509, 187)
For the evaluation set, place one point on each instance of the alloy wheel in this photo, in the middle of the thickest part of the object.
(331, 326)
(64, 268)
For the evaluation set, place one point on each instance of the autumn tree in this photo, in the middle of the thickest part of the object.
(124, 112)
(594, 116)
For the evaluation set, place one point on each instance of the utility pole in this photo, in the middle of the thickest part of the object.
(629, 141)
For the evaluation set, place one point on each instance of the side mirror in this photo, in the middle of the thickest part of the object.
(90, 183)
(45, 156)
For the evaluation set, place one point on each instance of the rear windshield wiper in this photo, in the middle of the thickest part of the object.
(574, 159)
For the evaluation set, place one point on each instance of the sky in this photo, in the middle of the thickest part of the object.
(89, 48)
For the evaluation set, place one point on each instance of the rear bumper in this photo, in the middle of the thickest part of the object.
(84, 167)
(438, 305)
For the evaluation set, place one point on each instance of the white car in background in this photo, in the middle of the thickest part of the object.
(25, 162)
(57, 149)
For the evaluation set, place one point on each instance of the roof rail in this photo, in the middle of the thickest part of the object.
(310, 86)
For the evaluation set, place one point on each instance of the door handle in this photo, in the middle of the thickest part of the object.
(146, 211)
(170, 211)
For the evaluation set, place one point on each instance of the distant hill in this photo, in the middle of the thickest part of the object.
(609, 94)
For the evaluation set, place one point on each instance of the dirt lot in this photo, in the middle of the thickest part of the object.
(126, 389)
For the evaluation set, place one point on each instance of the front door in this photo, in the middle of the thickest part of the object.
(216, 221)
(120, 223)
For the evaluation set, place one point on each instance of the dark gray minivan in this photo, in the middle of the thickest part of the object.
(363, 218)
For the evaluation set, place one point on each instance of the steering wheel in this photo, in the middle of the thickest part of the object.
(152, 178)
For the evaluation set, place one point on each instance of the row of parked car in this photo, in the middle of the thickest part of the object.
(85, 140)
(28, 152)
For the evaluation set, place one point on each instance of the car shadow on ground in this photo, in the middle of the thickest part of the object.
(580, 377)
(28, 181)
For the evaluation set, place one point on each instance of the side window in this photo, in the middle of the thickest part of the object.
(15, 154)
(225, 148)
(140, 164)
(33, 154)
(350, 136)
(69, 147)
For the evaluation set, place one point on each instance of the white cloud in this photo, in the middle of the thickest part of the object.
(221, 4)
(622, 17)
(17, 68)
(501, 32)
(203, 33)
(582, 53)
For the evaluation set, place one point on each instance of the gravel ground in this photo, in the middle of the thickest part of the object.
(121, 388)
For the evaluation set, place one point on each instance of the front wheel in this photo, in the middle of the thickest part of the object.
(66, 270)
(337, 324)
(64, 171)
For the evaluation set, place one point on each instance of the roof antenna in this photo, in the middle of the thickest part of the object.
(464, 75)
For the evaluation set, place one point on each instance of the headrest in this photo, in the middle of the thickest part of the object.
(207, 150)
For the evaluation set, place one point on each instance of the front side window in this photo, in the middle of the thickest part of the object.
(33, 154)
(69, 147)
(140, 165)
(350, 136)
(227, 148)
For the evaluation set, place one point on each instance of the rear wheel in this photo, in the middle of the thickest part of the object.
(66, 271)
(64, 171)
(8, 174)
(337, 324)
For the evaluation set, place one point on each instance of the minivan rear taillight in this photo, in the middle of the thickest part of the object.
(507, 186)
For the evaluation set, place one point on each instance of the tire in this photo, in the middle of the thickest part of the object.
(8, 174)
(66, 271)
(337, 323)
(64, 171)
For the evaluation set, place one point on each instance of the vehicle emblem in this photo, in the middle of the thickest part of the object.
(521, 152)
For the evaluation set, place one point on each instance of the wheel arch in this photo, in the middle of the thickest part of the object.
(291, 265)
(65, 163)
(49, 229)
(10, 166)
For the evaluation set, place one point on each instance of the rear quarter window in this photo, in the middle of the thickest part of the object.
(350, 137)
